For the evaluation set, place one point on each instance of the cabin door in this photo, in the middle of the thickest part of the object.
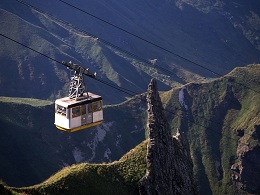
(87, 115)
(83, 115)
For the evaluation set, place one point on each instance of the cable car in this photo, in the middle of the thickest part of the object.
(73, 115)
(80, 110)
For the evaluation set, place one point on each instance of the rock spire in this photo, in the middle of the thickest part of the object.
(169, 168)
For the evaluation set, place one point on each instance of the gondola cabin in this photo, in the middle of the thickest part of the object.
(73, 115)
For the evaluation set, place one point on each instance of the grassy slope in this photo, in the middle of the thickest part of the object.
(24, 148)
(212, 133)
(27, 122)
(29, 101)
(119, 177)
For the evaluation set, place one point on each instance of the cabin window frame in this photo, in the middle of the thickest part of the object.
(89, 108)
(60, 111)
(79, 113)
(94, 109)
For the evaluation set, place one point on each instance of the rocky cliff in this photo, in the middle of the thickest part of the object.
(245, 172)
(169, 168)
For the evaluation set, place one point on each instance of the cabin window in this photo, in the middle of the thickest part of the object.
(97, 106)
(75, 111)
(83, 109)
(89, 106)
(61, 110)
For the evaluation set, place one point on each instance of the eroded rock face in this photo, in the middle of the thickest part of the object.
(246, 172)
(169, 166)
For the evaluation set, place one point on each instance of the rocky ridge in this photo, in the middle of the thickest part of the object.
(169, 166)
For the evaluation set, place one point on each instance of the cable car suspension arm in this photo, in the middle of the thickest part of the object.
(79, 69)
(77, 84)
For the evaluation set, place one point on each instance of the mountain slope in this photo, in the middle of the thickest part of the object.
(32, 144)
(247, 22)
(208, 38)
(119, 177)
(36, 76)
(214, 114)
(124, 176)
(218, 118)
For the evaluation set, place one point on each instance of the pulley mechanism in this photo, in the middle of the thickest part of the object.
(77, 83)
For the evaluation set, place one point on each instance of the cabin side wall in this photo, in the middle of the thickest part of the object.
(62, 121)
(97, 116)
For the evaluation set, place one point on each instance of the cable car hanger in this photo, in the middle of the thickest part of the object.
(77, 84)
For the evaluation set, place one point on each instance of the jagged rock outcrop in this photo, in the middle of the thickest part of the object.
(246, 172)
(169, 166)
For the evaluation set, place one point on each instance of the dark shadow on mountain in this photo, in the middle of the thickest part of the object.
(202, 176)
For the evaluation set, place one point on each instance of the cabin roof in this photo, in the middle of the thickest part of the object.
(85, 99)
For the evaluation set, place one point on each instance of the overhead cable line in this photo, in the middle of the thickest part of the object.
(147, 41)
(118, 48)
(126, 91)
(134, 35)
(116, 87)
(77, 29)
(129, 92)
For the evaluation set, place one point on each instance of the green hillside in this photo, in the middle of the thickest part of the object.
(29, 101)
(33, 148)
(119, 177)
(212, 121)
(23, 122)
(29, 74)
